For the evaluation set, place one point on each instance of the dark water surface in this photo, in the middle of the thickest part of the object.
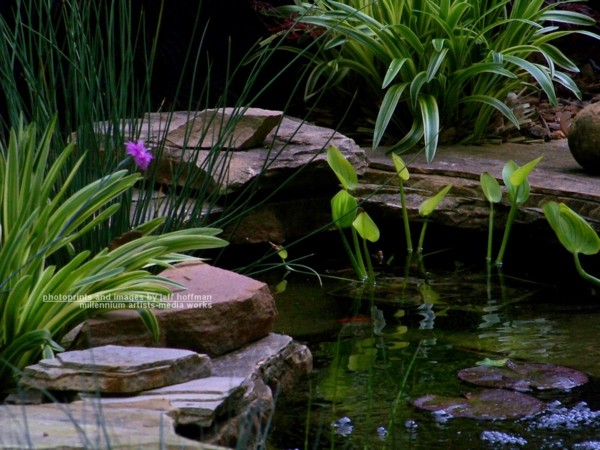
(419, 329)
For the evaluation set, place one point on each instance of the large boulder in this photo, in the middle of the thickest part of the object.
(219, 311)
(584, 138)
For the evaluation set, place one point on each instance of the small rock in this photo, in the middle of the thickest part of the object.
(584, 138)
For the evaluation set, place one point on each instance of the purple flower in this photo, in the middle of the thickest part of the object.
(140, 154)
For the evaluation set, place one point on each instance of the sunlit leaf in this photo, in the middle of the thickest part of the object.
(521, 174)
(491, 188)
(366, 228)
(429, 205)
(401, 168)
(388, 106)
(343, 209)
(392, 71)
(430, 116)
(342, 168)
(573, 232)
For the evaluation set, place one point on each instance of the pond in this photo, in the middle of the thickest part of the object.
(376, 350)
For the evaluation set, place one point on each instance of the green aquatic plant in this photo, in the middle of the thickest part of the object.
(574, 233)
(39, 301)
(426, 208)
(368, 231)
(403, 175)
(515, 180)
(345, 214)
(493, 194)
(429, 65)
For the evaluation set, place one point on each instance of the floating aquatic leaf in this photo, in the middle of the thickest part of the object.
(524, 376)
(492, 362)
(489, 404)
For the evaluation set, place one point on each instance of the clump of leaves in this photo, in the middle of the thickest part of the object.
(425, 209)
(40, 302)
(346, 215)
(427, 65)
(517, 185)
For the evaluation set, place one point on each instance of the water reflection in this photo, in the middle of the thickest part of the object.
(367, 339)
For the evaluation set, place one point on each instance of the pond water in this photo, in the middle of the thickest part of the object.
(376, 350)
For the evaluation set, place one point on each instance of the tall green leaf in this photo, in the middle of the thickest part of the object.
(342, 168)
(366, 228)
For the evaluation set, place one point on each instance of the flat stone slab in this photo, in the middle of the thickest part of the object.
(198, 402)
(84, 426)
(557, 177)
(117, 369)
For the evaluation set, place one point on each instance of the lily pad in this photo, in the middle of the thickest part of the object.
(524, 376)
(489, 404)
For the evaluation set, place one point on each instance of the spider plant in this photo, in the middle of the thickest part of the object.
(427, 65)
(40, 302)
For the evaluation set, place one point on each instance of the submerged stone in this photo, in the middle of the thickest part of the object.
(489, 404)
(524, 376)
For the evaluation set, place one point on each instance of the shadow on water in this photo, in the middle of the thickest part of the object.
(363, 341)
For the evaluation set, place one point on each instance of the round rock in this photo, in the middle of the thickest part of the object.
(584, 138)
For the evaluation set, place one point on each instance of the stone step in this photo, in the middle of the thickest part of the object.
(117, 369)
(197, 402)
(83, 425)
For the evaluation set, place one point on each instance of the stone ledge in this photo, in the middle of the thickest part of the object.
(557, 177)
(116, 369)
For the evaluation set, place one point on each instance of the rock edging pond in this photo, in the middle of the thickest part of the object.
(131, 397)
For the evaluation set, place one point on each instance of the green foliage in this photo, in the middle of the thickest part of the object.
(493, 194)
(40, 302)
(403, 175)
(93, 64)
(517, 185)
(574, 233)
(365, 227)
(432, 64)
(427, 207)
(342, 168)
(343, 209)
(345, 214)
(430, 204)
(491, 188)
